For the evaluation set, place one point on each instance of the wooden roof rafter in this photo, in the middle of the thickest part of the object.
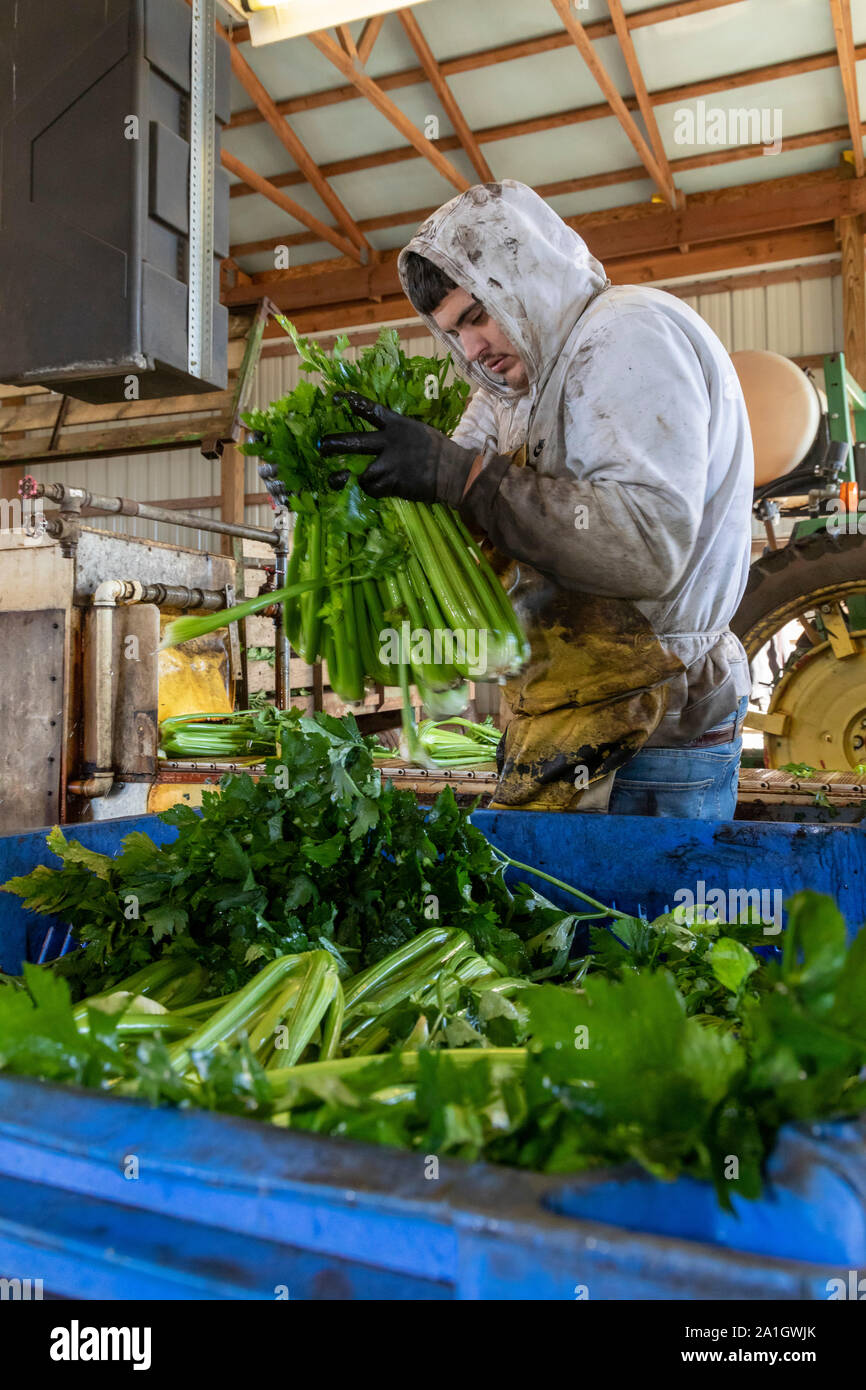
(347, 43)
(776, 207)
(642, 96)
(298, 151)
(558, 187)
(472, 62)
(746, 77)
(425, 55)
(275, 195)
(657, 172)
(369, 35)
(337, 295)
(602, 28)
(331, 50)
(841, 14)
(598, 110)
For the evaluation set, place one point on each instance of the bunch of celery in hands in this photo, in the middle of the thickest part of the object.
(387, 592)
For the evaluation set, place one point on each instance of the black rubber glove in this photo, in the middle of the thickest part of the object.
(268, 475)
(412, 459)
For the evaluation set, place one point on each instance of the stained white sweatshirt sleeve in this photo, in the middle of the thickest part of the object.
(478, 427)
(621, 517)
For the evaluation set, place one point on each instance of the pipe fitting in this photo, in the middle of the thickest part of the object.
(97, 784)
(112, 592)
(99, 688)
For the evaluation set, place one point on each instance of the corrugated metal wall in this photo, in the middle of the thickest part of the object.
(797, 318)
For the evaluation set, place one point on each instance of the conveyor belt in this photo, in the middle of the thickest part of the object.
(769, 786)
(462, 782)
(756, 784)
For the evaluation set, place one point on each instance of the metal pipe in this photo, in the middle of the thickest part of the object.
(99, 674)
(99, 688)
(179, 596)
(127, 506)
(283, 652)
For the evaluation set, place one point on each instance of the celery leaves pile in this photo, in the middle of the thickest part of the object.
(387, 592)
(318, 951)
(321, 851)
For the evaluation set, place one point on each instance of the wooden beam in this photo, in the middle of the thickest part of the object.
(337, 305)
(642, 95)
(40, 412)
(758, 280)
(347, 43)
(383, 104)
(425, 55)
(340, 316)
(414, 216)
(790, 182)
(841, 13)
(766, 211)
(539, 124)
(298, 151)
(708, 86)
(748, 77)
(232, 467)
(9, 478)
(658, 14)
(721, 256)
(369, 224)
(634, 231)
(618, 106)
(282, 200)
(796, 244)
(369, 35)
(506, 53)
(598, 29)
(297, 288)
(659, 268)
(853, 296)
(176, 431)
(661, 14)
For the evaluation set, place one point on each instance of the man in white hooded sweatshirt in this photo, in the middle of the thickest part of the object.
(607, 453)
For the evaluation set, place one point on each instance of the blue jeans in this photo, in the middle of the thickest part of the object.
(697, 783)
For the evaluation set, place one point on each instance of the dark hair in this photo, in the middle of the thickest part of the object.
(426, 284)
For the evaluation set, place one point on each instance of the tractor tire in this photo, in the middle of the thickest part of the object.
(784, 582)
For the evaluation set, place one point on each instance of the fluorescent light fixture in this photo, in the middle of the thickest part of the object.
(272, 20)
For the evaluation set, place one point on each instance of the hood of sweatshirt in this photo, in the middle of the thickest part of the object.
(535, 276)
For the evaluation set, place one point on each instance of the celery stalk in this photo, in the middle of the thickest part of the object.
(263, 1032)
(376, 975)
(312, 1003)
(236, 1014)
(398, 986)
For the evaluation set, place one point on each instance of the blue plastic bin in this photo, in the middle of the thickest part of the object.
(103, 1197)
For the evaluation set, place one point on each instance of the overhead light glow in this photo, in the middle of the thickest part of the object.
(272, 20)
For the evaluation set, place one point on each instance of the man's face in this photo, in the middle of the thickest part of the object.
(480, 337)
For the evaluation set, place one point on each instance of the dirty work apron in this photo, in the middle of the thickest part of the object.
(592, 693)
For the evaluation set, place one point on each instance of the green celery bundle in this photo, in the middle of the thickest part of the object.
(242, 734)
(440, 744)
(388, 592)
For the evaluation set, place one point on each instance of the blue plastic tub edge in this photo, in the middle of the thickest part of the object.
(638, 864)
(824, 1223)
(814, 1211)
(29, 936)
(597, 853)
